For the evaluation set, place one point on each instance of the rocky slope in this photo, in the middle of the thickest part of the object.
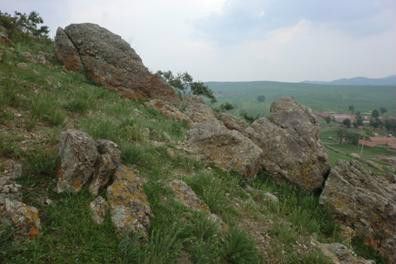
(173, 185)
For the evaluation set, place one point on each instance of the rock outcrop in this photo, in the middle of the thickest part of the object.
(129, 207)
(186, 196)
(78, 155)
(286, 144)
(365, 202)
(168, 110)
(85, 161)
(198, 112)
(291, 149)
(340, 254)
(228, 149)
(108, 60)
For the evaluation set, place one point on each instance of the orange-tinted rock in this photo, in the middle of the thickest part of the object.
(364, 201)
(66, 52)
(129, 208)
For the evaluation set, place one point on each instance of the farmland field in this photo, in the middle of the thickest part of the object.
(319, 97)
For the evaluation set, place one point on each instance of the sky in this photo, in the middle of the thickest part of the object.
(242, 40)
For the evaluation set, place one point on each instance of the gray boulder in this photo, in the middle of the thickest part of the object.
(78, 154)
(291, 149)
(108, 60)
(364, 201)
(228, 149)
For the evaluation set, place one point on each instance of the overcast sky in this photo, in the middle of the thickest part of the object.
(230, 40)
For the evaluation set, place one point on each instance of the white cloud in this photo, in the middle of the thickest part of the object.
(164, 33)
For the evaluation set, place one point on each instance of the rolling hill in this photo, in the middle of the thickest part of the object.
(321, 97)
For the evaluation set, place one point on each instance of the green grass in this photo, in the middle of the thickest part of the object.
(69, 236)
(51, 99)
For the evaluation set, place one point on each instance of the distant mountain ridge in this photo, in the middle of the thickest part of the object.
(389, 80)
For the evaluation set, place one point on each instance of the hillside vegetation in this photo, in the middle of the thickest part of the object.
(39, 100)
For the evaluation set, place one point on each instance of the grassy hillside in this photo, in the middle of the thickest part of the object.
(39, 101)
(319, 97)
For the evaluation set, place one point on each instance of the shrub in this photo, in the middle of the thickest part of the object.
(226, 106)
(239, 248)
(24, 24)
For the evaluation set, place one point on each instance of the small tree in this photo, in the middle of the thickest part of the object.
(327, 119)
(383, 110)
(351, 108)
(184, 83)
(248, 117)
(347, 122)
(375, 113)
(359, 119)
(261, 98)
(226, 106)
(390, 124)
(24, 24)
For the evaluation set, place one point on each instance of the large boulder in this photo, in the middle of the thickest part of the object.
(129, 208)
(78, 155)
(228, 149)
(85, 161)
(291, 149)
(364, 201)
(108, 60)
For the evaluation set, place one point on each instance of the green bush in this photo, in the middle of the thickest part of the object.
(239, 248)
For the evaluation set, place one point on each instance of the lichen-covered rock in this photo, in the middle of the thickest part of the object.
(198, 112)
(78, 154)
(99, 208)
(340, 254)
(66, 52)
(108, 160)
(291, 149)
(228, 149)
(233, 123)
(108, 60)
(25, 218)
(168, 110)
(364, 201)
(185, 195)
(129, 208)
